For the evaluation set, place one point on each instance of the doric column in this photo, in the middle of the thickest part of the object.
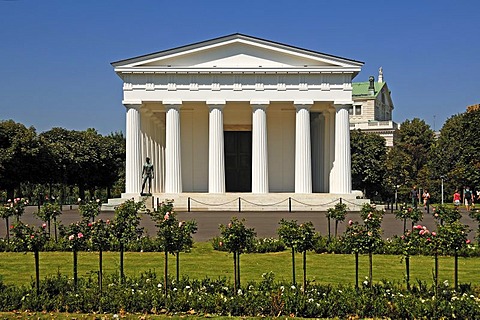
(259, 147)
(133, 161)
(330, 154)
(317, 136)
(303, 153)
(216, 152)
(173, 159)
(342, 163)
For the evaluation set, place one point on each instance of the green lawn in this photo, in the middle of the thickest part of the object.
(203, 261)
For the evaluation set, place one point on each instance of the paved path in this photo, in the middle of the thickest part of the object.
(265, 223)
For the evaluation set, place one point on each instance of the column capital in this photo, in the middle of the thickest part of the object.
(172, 103)
(216, 103)
(260, 103)
(304, 103)
(132, 104)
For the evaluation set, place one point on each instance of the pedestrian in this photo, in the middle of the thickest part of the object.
(456, 198)
(414, 196)
(426, 198)
(468, 197)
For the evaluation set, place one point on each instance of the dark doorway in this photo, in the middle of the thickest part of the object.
(238, 161)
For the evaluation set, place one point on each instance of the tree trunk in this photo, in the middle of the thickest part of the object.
(435, 276)
(235, 272)
(370, 268)
(100, 269)
(122, 276)
(407, 267)
(238, 269)
(49, 229)
(456, 270)
(55, 228)
(336, 228)
(293, 266)
(304, 271)
(75, 271)
(328, 224)
(165, 273)
(178, 266)
(356, 270)
(8, 231)
(37, 271)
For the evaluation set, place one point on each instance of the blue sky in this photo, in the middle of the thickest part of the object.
(55, 55)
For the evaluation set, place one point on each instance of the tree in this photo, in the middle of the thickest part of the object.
(456, 155)
(125, 226)
(365, 238)
(48, 212)
(76, 235)
(100, 233)
(337, 213)
(300, 238)
(175, 236)
(236, 238)
(20, 150)
(368, 162)
(409, 158)
(28, 238)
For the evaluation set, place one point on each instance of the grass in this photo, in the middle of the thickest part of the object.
(203, 261)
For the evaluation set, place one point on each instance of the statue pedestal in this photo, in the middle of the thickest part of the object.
(149, 201)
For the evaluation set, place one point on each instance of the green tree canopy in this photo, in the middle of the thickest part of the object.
(368, 162)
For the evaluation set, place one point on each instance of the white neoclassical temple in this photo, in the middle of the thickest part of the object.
(238, 117)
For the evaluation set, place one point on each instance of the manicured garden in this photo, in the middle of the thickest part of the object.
(110, 266)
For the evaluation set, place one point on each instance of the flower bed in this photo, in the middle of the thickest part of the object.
(265, 297)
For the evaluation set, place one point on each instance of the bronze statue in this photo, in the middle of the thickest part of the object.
(147, 174)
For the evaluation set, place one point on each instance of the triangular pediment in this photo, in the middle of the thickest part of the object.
(236, 52)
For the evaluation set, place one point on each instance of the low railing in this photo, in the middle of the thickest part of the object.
(287, 201)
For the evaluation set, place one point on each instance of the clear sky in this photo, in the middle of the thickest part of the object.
(55, 55)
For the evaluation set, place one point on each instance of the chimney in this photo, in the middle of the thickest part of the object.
(371, 87)
(380, 74)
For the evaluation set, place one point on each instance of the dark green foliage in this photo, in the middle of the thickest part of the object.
(369, 153)
(264, 298)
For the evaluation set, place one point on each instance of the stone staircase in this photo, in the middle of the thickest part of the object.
(245, 201)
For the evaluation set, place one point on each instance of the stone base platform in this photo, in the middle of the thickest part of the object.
(239, 202)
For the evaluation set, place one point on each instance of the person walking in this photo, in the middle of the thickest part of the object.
(468, 198)
(414, 196)
(456, 198)
(426, 199)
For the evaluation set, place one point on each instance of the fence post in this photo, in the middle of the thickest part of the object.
(188, 204)
(289, 204)
(239, 204)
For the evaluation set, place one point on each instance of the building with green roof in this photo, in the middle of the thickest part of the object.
(373, 108)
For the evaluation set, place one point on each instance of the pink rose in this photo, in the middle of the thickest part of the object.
(428, 239)
(44, 225)
(166, 216)
(90, 224)
(350, 222)
(71, 237)
(434, 233)
(468, 241)
(421, 232)
(32, 236)
(80, 235)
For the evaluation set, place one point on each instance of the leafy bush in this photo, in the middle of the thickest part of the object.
(263, 298)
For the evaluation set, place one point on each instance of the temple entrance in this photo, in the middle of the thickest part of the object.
(238, 161)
